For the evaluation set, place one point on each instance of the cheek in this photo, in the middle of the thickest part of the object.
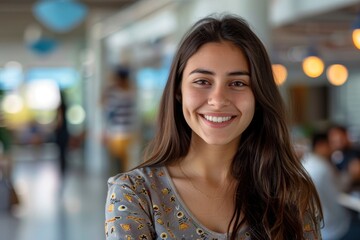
(247, 106)
(191, 99)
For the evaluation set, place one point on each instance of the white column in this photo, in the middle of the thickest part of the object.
(94, 160)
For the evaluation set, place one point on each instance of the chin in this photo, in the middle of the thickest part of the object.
(217, 142)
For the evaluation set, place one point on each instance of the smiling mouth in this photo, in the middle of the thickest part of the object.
(218, 119)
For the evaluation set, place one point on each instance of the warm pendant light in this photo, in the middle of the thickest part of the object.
(313, 66)
(280, 73)
(337, 74)
(356, 32)
(356, 37)
(60, 15)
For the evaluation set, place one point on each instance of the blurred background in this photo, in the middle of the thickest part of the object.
(65, 66)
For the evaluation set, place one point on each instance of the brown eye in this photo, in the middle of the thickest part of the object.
(237, 84)
(201, 82)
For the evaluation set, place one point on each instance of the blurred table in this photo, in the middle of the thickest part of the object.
(350, 200)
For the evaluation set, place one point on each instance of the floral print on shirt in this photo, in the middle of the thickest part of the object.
(142, 205)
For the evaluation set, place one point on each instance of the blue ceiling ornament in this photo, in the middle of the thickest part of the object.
(43, 45)
(60, 15)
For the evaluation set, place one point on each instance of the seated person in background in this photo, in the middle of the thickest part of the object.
(344, 155)
(324, 176)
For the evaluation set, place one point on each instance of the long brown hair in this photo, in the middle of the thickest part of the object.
(274, 191)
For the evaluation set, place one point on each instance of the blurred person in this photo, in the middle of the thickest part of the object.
(62, 134)
(344, 155)
(5, 148)
(221, 165)
(34, 133)
(8, 195)
(325, 177)
(119, 102)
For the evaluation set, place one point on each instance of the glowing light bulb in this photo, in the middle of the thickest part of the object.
(12, 103)
(280, 73)
(337, 74)
(43, 94)
(313, 66)
(356, 37)
(76, 114)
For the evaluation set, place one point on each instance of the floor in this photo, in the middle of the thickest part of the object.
(50, 207)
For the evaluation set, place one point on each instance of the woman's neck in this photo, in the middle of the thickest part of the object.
(211, 162)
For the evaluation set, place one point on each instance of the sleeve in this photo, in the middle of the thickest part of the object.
(127, 213)
(311, 228)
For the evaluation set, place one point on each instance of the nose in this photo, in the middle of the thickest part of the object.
(218, 97)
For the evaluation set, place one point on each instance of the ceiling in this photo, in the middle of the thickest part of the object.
(16, 15)
(329, 32)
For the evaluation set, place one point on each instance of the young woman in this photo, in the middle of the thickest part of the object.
(221, 165)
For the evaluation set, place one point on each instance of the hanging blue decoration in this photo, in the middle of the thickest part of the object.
(43, 45)
(60, 15)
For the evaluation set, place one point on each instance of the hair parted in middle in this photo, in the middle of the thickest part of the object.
(273, 190)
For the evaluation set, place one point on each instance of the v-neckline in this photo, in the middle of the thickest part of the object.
(189, 213)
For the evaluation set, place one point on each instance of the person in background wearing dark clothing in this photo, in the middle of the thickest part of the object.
(5, 148)
(62, 134)
(325, 177)
(8, 196)
(344, 155)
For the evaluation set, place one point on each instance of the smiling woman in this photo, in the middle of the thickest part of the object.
(221, 165)
(217, 100)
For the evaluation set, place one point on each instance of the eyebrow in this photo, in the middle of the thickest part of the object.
(208, 72)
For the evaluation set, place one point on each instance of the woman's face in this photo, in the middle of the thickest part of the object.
(217, 100)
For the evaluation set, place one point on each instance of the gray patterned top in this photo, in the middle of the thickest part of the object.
(144, 204)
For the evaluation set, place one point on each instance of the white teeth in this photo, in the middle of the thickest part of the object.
(217, 119)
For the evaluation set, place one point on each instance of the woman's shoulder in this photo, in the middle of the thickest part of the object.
(312, 223)
(138, 177)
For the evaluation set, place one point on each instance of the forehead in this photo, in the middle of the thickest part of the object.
(220, 55)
